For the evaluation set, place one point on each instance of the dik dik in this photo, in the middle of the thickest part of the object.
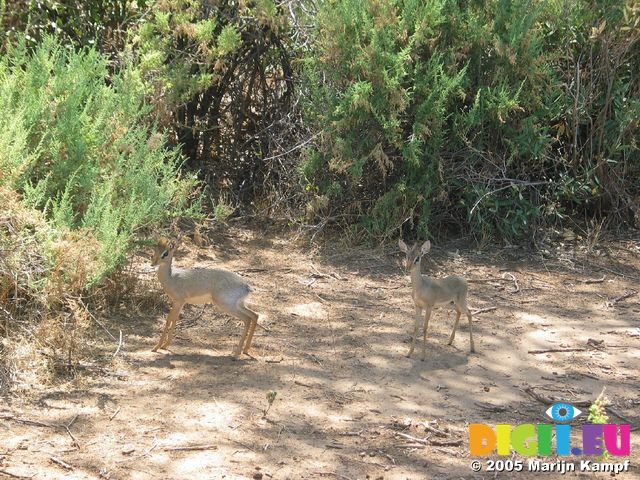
(429, 292)
(225, 289)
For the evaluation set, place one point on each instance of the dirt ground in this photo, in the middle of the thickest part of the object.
(335, 330)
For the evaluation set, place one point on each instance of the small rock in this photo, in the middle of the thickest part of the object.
(128, 449)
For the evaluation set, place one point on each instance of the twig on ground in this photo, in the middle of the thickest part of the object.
(445, 443)
(437, 431)
(93, 317)
(15, 475)
(66, 427)
(320, 298)
(551, 350)
(422, 441)
(621, 297)
(119, 345)
(302, 384)
(62, 463)
(26, 421)
(448, 451)
(144, 454)
(325, 275)
(113, 415)
(516, 288)
(252, 270)
(336, 446)
(483, 310)
(189, 447)
(594, 280)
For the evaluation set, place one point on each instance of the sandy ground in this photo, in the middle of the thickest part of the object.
(336, 333)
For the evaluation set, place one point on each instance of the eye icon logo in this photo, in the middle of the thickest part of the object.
(562, 412)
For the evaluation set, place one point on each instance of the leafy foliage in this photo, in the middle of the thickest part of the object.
(76, 148)
(221, 81)
(99, 23)
(497, 115)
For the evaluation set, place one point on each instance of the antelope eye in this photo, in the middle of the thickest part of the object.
(164, 254)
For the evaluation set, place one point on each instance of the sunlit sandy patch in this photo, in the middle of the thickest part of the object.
(532, 318)
(217, 414)
(309, 310)
(207, 416)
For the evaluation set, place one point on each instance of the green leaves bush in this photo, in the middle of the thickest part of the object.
(221, 81)
(492, 117)
(74, 143)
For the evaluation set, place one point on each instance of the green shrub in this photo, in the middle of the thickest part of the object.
(220, 79)
(485, 116)
(73, 141)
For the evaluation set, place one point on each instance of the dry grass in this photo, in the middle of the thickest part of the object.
(45, 308)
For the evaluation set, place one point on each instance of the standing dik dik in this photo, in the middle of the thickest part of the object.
(225, 289)
(428, 292)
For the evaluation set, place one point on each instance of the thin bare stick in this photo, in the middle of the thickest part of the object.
(114, 414)
(437, 431)
(26, 421)
(190, 447)
(302, 384)
(300, 145)
(445, 443)
(66, 427)
(595, 280)
(483, 310)
(513, 184)
(423, 441)
(119, 345)
(62, 463)
(93, 317)
(560, 350)
(15, 475)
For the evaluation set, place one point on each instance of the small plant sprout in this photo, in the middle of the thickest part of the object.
(271, 396)
(598, 414)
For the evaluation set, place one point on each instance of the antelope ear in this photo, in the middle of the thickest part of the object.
(172, 244)
(403, 246)
(426, 246)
